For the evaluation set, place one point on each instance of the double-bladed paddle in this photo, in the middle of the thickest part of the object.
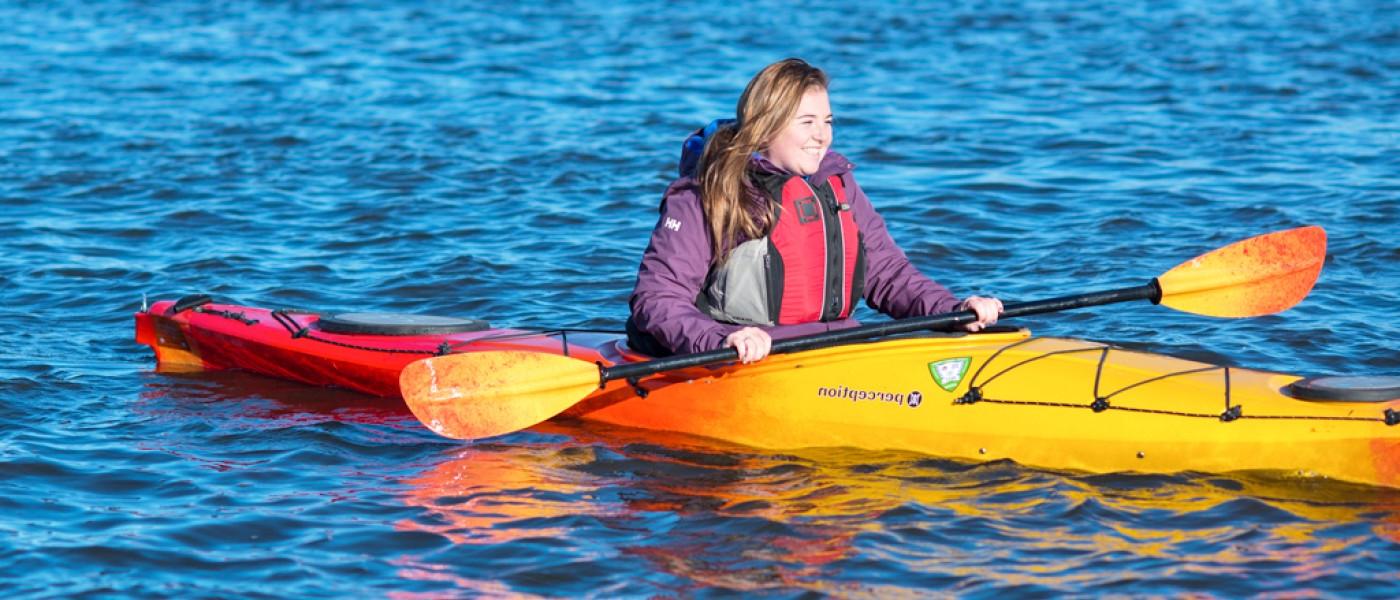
(487, 393)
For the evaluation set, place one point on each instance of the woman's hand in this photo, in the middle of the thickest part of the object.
(987, 309)
(752, 343)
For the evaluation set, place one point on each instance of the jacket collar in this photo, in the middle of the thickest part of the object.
(832, 164)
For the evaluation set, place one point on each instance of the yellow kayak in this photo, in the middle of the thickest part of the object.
(1047, 402)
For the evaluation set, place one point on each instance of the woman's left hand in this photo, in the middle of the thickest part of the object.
(987, 309)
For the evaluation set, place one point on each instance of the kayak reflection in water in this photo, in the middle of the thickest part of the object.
(767, 235)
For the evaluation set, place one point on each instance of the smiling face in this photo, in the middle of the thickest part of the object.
(800, 146)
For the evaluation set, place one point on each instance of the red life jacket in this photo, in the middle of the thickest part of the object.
(817, 268)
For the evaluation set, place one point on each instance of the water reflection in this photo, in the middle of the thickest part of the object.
(699, 511)
(673, 514)
(258, 402)
(719, 516)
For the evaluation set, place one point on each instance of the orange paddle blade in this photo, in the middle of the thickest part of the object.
(1261, 275)
(483, 394)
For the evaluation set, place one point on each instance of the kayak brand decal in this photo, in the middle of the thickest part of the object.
(912, 399)
(949, 372)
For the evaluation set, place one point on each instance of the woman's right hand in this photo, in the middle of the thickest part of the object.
(752, 343)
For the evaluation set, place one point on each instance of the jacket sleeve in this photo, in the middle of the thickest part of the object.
(673, 269)
(892, 285)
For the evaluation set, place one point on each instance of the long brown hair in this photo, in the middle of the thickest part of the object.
(768, 103)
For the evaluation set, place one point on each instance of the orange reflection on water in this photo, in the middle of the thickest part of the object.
(811, 505)
(498, 494)
(480, 496)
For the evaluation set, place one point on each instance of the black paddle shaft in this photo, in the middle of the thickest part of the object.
(939, 322)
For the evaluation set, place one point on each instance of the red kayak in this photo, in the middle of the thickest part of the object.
(364, 352)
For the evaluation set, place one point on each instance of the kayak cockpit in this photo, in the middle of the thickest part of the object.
(379, 323)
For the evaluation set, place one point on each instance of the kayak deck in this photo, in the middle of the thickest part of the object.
(292, 345)
(1047, 402)
(1057, 403)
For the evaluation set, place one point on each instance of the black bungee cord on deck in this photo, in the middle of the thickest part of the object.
(976, 392)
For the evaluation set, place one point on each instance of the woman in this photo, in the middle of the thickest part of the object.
(767, 235)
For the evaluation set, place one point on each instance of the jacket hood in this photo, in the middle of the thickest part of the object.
(694, 146)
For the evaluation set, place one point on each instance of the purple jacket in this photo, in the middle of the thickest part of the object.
(677, 261)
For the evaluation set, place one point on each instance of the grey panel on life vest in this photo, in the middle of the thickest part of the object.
(737, 291)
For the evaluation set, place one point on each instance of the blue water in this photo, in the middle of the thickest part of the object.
(505, 163)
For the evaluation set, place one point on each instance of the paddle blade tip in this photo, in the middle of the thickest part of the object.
(477, 395)
(1261, 275)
